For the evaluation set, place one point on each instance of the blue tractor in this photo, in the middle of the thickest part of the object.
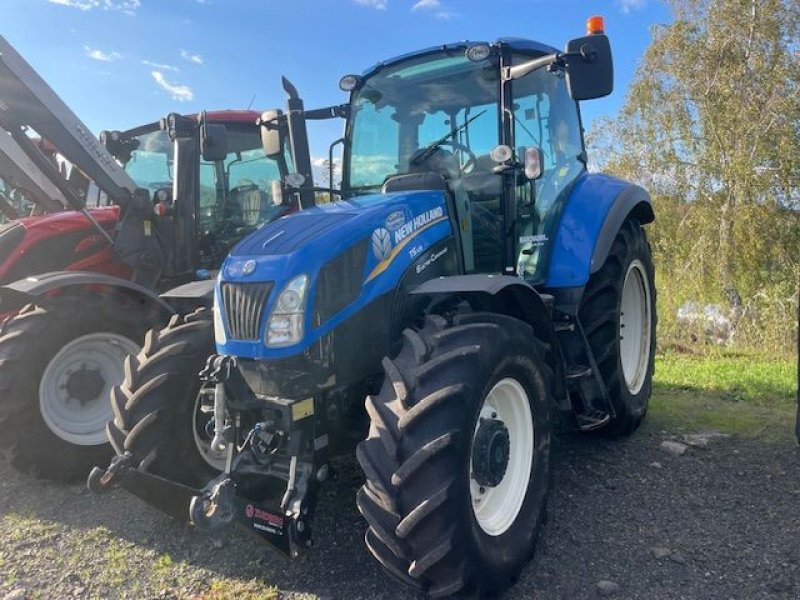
(473, 284)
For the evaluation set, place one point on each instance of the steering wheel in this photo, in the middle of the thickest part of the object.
(471, 158)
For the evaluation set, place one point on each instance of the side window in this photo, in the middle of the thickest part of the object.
(375, 146)
(546, 118)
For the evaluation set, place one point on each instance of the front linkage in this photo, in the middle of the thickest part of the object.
(274, 463)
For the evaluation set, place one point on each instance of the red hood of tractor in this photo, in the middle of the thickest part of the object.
(71, 220)
(58, 242)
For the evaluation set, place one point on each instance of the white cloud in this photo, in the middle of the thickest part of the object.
(128, 6)
(96, 54)
(376, 4)
(181, 93)
(160, 66)
(193, 58)
(628, 6)
(433, 7)
(427, 5)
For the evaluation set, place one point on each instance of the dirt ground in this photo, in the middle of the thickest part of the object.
(717, 522)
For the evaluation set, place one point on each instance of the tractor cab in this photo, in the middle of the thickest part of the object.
(227, 189)
(505, 143)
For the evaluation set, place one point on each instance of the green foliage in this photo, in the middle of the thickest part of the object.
(711, 127)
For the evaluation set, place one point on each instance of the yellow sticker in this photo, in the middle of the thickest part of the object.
(302, 409)
(147, 228)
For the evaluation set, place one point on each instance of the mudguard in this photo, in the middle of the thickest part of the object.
(517, 297)
(190, 296)
(511, 296)
(14, 296)
(591, 219)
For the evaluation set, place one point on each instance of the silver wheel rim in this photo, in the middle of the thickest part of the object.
(75, 386)
(496, 508)
(634, 327)
(202, 438)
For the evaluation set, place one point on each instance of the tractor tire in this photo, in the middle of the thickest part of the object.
(156, 408)
(454, 497)
(618, 313)
(58, 363)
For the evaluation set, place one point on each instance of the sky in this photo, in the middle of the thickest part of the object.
(122, 63)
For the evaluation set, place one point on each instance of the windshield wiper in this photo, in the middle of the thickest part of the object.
(430, 148)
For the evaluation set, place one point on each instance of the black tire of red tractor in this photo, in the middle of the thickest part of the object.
(416, 458)
(600, 315)
(154, 407)
(28, 342)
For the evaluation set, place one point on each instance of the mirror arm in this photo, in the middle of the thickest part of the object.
(518, 71)
(329, 112)
(586, 52)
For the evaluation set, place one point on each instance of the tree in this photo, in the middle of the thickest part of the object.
(711, 125)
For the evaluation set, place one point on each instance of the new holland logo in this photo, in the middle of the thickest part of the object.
(248, 267)
(381, 243)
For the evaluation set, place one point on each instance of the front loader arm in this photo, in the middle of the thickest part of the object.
(26, 101)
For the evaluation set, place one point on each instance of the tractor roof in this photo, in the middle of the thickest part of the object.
(516, 44)
(248, 117)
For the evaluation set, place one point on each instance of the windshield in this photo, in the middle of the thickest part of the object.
(404, 108)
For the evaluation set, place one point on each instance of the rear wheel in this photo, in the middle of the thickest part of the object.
(457, 456)
(157, 415)
(58, 363)
(619, 317)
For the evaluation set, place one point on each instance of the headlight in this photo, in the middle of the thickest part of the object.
(285, 326)
(219, 326)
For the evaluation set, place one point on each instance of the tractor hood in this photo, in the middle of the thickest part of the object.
(352, 252)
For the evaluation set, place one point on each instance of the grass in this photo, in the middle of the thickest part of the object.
(238, 590)
(745, 394)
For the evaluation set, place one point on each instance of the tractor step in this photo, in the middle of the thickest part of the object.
(577, 372)
(592, 420)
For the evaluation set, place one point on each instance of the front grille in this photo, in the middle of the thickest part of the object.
(244, 305)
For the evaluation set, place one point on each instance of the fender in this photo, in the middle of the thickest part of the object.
(511, 296)
(190, 296)
(14, 296)
(591, 219)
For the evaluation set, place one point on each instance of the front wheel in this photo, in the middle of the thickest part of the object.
(157, 416)
(58, 363)
(457, 456)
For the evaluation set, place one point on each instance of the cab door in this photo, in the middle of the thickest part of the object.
(545, 117)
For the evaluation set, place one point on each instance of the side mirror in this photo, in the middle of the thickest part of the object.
(213, 141)
(271, 136)
(590, 68)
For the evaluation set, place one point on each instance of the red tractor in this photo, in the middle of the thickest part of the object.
(80, 287)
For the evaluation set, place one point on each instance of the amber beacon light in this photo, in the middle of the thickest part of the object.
(595, 25)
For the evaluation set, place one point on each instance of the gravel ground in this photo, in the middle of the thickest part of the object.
(716, 522)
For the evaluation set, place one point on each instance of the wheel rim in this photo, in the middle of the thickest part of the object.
(75, 386)
(634, 327)
(496, 507)
(203, 433)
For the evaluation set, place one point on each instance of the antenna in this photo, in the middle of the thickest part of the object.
(253, 99)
